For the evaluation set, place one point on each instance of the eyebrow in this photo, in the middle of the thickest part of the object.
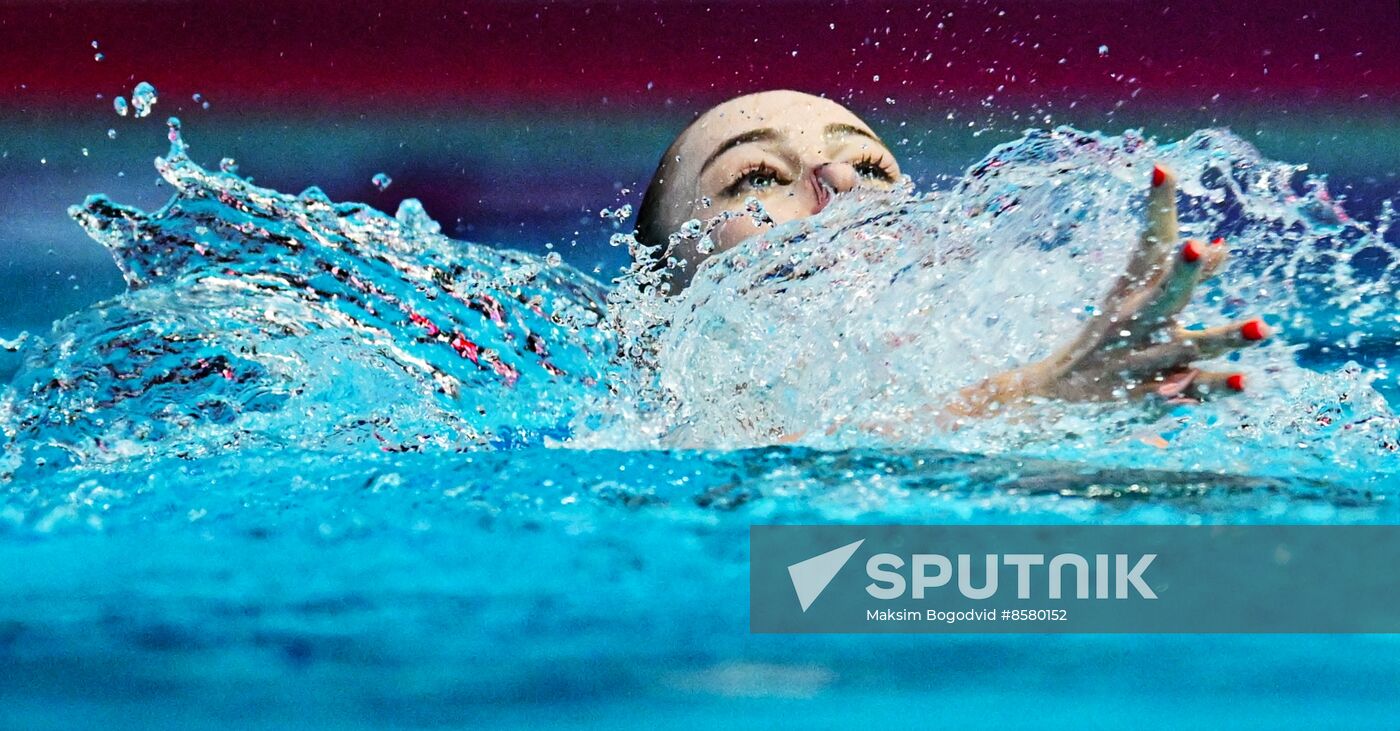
(762, 134)
(841, 128)
(766, 134)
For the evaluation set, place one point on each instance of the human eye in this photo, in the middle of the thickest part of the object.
(755, 178)
(872, 167)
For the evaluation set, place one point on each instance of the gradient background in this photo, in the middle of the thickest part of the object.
(515, 122)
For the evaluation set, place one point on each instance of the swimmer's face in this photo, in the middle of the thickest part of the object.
(789, 150)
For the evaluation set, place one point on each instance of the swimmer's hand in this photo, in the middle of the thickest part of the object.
(1134, 347)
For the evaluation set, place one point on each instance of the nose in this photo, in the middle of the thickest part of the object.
(839, 176)
(828, 178)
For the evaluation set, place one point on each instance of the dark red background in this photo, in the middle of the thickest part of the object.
(499, 52)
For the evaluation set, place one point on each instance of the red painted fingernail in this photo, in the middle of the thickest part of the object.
(1191, 251)
(1159, 176)
(1254, 330)
(1217, 241)
(1235, 382)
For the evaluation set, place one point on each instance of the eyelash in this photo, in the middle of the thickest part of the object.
(869, 166)
(746, 181)
(874, 167)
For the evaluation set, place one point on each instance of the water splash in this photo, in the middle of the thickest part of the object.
(849, 328)
(256, 319)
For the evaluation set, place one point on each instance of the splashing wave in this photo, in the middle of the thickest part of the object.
(256, 319)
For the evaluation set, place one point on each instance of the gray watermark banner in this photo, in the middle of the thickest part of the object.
(1075, 579)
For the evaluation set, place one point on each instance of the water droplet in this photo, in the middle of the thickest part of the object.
(553, 259)
(97, 57)
(229, 165)
(621, 213)
(381, 181)
(111, 134)
(120, 105)
(1103, 50)
(85, 152)
(143, 97)
(173, 135)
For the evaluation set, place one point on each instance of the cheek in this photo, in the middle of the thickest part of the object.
(735, 230)
(788, 205)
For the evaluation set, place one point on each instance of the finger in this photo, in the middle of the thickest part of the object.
(1170, 384)
(1160, 232)
(1171, 291)
(1174, 386)
(1217, 341)
(1159, 358)
(1215, 384)
(1216, 256)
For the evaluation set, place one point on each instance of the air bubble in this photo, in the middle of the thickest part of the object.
(120, 105)
(381, 181)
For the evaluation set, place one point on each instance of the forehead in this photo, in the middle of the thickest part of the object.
(798, 116)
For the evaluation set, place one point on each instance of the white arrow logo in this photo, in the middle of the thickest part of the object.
(810, 577)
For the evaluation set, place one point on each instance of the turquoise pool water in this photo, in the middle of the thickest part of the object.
(323, 466)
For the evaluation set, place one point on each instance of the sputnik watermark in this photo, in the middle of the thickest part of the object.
(888, 583)
(1074, 578)
(812, 576)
